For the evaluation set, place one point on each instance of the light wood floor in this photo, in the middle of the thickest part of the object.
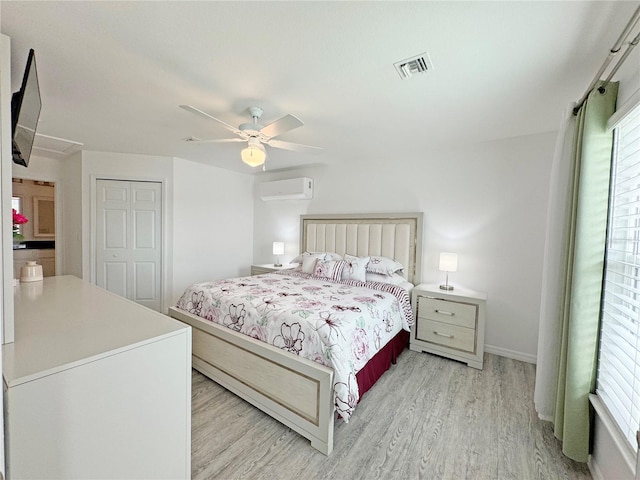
(427, 417)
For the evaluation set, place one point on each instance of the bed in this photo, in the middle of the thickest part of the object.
(301, 393)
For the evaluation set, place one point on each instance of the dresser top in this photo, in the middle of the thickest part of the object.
(62, 322)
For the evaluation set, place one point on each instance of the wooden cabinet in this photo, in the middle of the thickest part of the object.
(96, 386)
(269, 267)
(44, 217)
(449, 323)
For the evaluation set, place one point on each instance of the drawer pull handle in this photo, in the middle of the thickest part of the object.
(444, 312)
(446, 335)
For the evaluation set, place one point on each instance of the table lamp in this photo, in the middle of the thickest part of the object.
(278, 249)
(448, 263)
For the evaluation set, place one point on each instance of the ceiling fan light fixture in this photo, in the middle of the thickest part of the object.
(255, 154)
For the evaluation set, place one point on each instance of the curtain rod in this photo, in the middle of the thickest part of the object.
(624, 56)
(612, 53)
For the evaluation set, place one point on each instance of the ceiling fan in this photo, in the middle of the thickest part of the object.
(256, 135)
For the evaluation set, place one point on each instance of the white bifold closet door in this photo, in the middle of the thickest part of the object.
(129, 240)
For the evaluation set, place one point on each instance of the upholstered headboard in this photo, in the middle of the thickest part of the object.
(393, 235)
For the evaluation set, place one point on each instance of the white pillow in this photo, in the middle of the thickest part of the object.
(383, 265)
(394, 279)
(309, 264)
(355, 268)
(329, 269)
(318, 255)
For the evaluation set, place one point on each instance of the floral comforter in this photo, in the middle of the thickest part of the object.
(338, 324)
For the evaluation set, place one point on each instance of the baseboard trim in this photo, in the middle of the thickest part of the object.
(546, 418)
(596, 473)
(505, 352)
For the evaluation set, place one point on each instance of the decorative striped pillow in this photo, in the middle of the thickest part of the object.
(329, 269)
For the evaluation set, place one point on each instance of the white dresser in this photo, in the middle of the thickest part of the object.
(95, 386)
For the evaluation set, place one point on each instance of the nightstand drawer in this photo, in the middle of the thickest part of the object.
(446, 311)
(269, 268)
(452, 336)
(260, 270)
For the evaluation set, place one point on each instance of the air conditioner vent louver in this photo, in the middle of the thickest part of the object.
(418, 64)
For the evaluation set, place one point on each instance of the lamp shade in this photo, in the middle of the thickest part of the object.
(278, 248)
(448, 262)
(254, 155)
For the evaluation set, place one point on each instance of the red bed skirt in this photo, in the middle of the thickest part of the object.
(381, 361)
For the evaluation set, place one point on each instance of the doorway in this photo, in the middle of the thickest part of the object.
(34, 201)
(129, 240)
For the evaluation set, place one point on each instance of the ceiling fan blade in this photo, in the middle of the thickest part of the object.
(280, 126)
(191, 109)
(296, 147)
(221, 140)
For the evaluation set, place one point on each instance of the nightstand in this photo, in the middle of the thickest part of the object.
(270, 267)
(449, 323)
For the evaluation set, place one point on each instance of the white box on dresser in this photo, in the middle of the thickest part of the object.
(45, 257)
(450, 323)
(95, 386)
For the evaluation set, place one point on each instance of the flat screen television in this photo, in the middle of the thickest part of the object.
(25, 111)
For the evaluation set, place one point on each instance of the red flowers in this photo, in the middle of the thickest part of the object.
(18, 218)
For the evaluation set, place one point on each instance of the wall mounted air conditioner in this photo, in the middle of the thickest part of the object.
(291, 189)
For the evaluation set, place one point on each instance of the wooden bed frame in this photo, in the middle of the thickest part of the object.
(293, 390)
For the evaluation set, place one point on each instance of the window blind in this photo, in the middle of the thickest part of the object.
(618, 382)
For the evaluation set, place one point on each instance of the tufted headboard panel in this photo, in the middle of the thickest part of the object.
(394, 235)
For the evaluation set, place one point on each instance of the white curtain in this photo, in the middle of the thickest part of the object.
(554, 270)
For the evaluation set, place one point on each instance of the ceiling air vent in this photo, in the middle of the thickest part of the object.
(419, 64)
(55, 145)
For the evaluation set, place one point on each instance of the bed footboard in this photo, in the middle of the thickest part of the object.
(295, 391)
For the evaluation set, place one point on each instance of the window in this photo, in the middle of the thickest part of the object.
(618, 383)
(16, 204)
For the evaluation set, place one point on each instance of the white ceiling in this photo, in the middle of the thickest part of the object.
(112, 74)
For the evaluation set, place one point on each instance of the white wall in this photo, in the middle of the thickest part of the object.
(213, 224)
(607, 460)
(40, 168)
(6, 282)
(70, 239)
(486, 202)
(6, 225)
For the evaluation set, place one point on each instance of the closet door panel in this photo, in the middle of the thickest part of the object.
(129, 240)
